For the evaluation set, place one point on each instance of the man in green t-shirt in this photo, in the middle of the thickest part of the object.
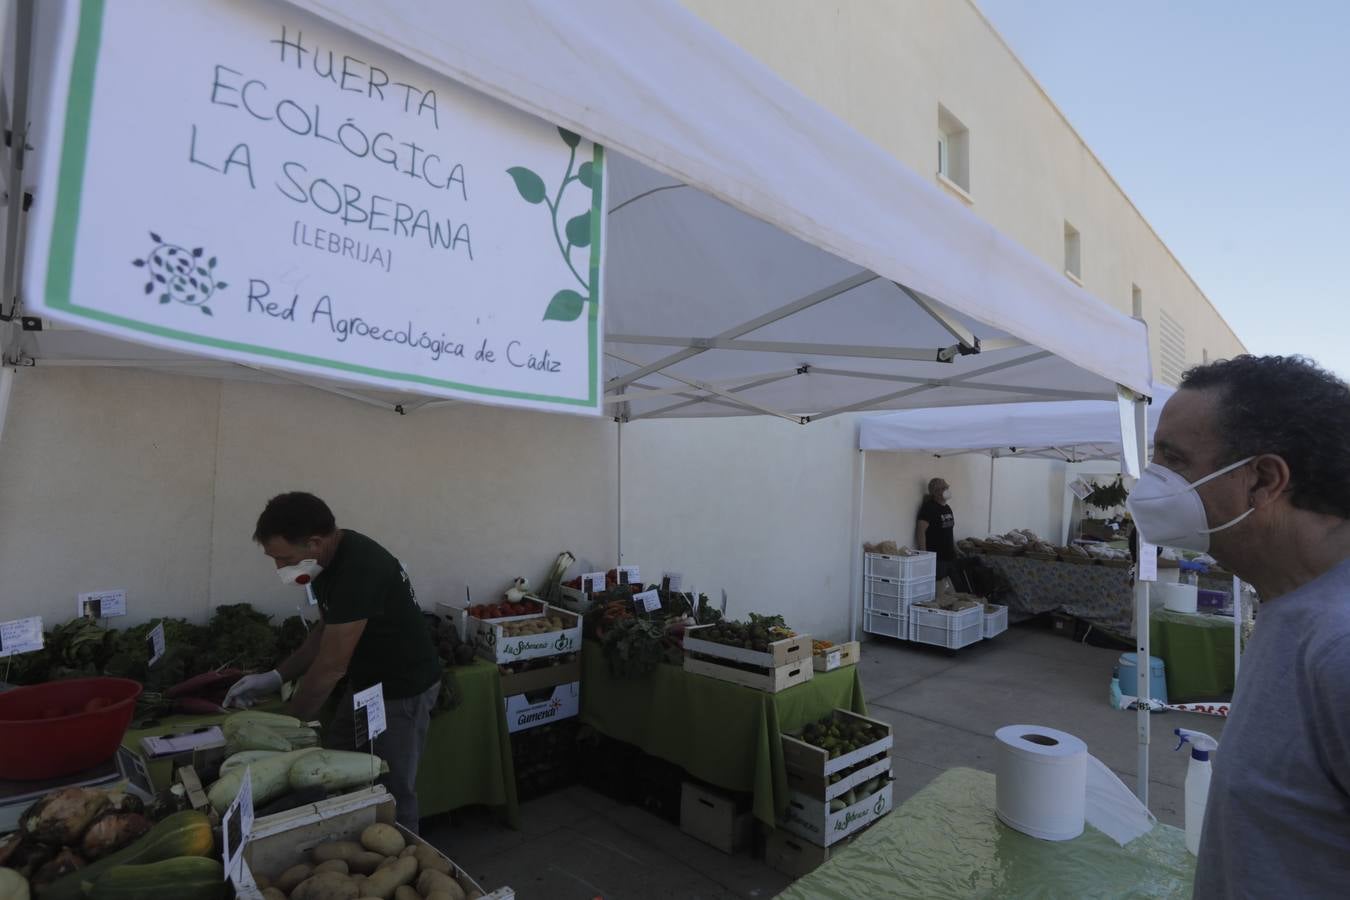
(372, 631)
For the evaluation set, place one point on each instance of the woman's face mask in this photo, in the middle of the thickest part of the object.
(1168, 511)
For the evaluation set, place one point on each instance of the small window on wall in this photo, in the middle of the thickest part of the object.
(1171, 349)
(1073, 253)
(953, 150)
(1136, 302)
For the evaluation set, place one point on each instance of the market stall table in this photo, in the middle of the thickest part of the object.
(467, 759)
(723, 733)
(1197, 650)
(946, 842)
(1096, 593)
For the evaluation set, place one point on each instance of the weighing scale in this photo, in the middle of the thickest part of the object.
(17, 796)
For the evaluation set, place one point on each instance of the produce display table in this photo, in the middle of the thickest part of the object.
(1098, 594)
(1198, 653)
(722, 733)
(467, 759)
(946, 842)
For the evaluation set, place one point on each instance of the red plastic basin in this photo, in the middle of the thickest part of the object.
(63, 727)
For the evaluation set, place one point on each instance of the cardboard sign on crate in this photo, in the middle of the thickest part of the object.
(837, 657)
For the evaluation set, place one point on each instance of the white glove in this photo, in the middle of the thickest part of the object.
(252, 688)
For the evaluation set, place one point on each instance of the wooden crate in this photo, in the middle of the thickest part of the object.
(780, 653)
(837, 657)
(770, 681)
(818, 785)
(797, 857)
(812, 761)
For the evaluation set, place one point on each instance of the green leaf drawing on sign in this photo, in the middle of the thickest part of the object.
(164, 298)
(566, 306)
(530, 185)
(207, 311)
(579, 230)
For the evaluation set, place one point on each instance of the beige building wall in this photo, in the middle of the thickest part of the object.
(885, 66)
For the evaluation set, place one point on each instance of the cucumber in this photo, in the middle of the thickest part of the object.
(181, 878)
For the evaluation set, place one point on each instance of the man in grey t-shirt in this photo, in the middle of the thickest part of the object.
(1252, 462)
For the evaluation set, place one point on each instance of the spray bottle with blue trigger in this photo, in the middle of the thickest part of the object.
(1197, 782)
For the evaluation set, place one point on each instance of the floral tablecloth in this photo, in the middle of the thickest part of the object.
(1100, 595)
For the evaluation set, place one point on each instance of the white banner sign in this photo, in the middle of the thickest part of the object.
(277, 191)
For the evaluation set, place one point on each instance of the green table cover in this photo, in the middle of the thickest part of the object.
(946, 842)
(467, 759)
(722, 733)
(1197, 651)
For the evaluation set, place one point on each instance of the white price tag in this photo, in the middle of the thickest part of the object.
(245, 887)
(156, 642)
(832, 659)
(368, 710)
(236, 825)
(629, 575)
(672, 581)
(647, 601)
(20, 636)
(102, 604)
(1148, 561)
(593, 582)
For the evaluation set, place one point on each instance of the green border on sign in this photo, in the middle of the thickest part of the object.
(70, 185)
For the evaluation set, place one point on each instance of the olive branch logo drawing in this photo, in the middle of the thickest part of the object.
(566, 305)
(179, 274)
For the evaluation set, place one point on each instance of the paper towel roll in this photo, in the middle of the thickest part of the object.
(1041, 781)
(1179, 597)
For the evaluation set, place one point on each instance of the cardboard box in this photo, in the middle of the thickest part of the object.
(796, 857)
(846, 654)
(280, 841)
(543, 706)
(770, 680)
(542, 677)
(492, 643)
(811, 818)
(714, 818)
(780, 652)
(812, 761)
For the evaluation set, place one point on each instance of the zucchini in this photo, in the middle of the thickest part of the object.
(269, 777)
(336, 770)
(245, 758)
(254, 736)
(181, 878)
(271, 720)
(186, 833)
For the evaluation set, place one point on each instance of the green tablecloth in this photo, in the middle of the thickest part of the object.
(1197, 651)
(467, 759)
(946, 842)
(717, 731)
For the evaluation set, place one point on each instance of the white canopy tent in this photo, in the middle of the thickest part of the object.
(762, 256)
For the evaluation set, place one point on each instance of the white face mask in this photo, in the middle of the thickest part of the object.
(302, 573)
(1168, 511)
(946, 496)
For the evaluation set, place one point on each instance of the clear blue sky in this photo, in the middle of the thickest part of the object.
(1227, 122)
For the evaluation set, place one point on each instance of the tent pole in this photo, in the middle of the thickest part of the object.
(6, 390)
(1143, 660)
(856, 566)
(993, 459)
(618, 491)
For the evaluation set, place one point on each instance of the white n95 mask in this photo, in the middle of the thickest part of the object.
(302, 573)
(1167, 510)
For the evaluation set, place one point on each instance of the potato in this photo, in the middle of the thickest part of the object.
(439, 895)
(325, 886)
(386, 879)
(428, 858)
(288, 880)
(433, 881)
(388, 861)
(262, 881)
(383, 839)
(333, 865)
(271, 893)
(473, 894)
(409, 850)
(405, 892)
(343, 850)
(360, 882)
(364, 862)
